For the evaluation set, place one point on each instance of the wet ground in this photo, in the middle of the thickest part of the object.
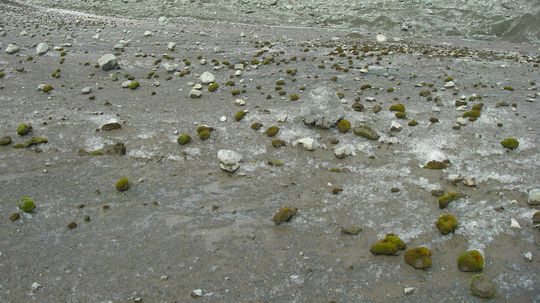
(184, 224)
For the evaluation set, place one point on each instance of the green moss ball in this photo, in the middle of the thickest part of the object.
(343, 126)
(510, 143)
(470, 261)
(447, 223)
(26, 204)
(23, 129)
(184, 139)
(122, 184)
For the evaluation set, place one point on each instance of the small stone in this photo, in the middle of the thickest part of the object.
(5, 141)
(196, 293)
(536, 218)
(35, 286)
(223, 118)
(352, 230)
(72, 225)
(14, 217)
(307, 143)
(528, 256)
(163, 278)
(86, 90)
(366, 132)
(207, 78)
(534, 196)
(240, 102)
(45, 87)
(239, 66)
(395, 126)
(450, 84)
(514, 224)
(111, 126)
(408, 291)
(42, 48)
(481, 286)
(229, 160)
(12, 49)
(148, 33)
(195, 93)
(171, 46)
(344, 151)
(284, 214)
(469, 182)
(108, 62)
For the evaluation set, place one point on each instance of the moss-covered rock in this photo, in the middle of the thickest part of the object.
(418, 257)
(14, 217)
(5, 141)
(470, 261)
(398, 107)
(536, 218)
(294, 97)
(23, 129)
(389, 246)
(401, 115)
(35, 141)
(122, 184)
(183, 139)
(278, 143)
(272, 131)
(413, 123)
(343, 126)
(240, 115)
(213, 87)
(72, 225)
(510, 143)
(45, 88)
(133, 84)
(352, 230)
(276, 162)
(111, 126)
(26, 204)
(472, 114)
(365, 131)
(437, 165)
(204, 134)
(256, 126)
(448, 197)
(482, 287)
(447, 223)
(377, 108)
(284, 214)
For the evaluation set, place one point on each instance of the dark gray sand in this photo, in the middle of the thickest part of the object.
(186, 228)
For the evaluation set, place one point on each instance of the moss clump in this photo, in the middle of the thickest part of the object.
(401, 115)
(510, 143)
(46, 88)
(448, 197)
(284, 214)
(34, 141)
(413, 123)
(280, 82)
(294, 97)
(2, 74)
(398, 107)
(183, 139)
(14, 217)
(508, 88)
(447, 223)
(26, 204)
(122, 184)
(470, 261)
(278, 143)
(240, 115)
(23, 129)
(418, 257)
(424, 93)
(437, 165)
(213, 87)
(389, 246)
(133, 84)
(472, 114)
(352, 230)
(5, 141)
(204, 134)
(72, 225)
(256, 126)
(272, 131)
(377, 108)
(343, 126)
(276, 162)
(235, 92)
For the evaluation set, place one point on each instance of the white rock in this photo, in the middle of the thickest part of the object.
(450, 84)
(171, 46)
(238, 73)
(455, 178)
(395, 126)
(534, 196)
(163, 278)
(528, 256)
(162, 20)
(195, 93)
(514, 224)
(42, 48)
(86, 90)
(35, 286)
(240, 102)
(223, 118)
(197, 86)
(408, 290)
(170, 67)
(12, 49)
(96, 36)
(282, 117)
(107, 62)
(461, 121)
(197, 293)
(147, 33)
(207, 78)
(381, 38)
(217, 49)
(322, 108)
(229, 160)
(239, 66)
(307, 143)
(344, 151)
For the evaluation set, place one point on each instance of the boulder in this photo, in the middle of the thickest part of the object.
(321, 109)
